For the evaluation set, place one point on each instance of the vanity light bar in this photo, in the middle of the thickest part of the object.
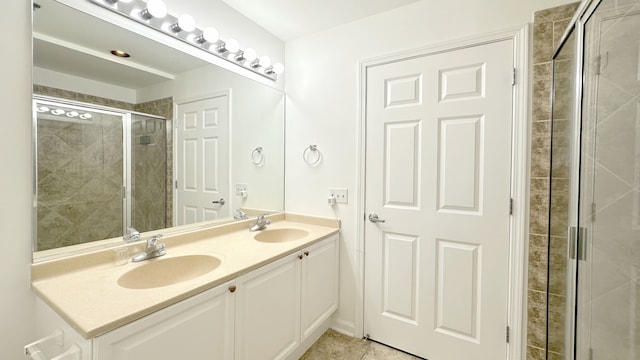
(153, 14)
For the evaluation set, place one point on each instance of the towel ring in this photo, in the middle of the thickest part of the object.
(257, 156)
(307, 151)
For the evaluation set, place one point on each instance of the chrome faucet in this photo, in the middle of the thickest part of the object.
(131, 235)
(261, 223)
(153, 249)
(240, 215)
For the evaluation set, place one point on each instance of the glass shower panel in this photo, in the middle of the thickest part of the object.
(608, 325)
(560, 267)
(79, 174)
(148, 173)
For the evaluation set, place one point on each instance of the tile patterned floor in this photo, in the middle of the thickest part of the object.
(333, 345)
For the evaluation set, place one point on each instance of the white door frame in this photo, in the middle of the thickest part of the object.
(519, 223)
(176, 104)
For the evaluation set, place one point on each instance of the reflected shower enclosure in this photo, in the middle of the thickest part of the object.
(98, 171)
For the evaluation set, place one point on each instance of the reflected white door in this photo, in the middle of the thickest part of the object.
(202, 133)
(438, 174)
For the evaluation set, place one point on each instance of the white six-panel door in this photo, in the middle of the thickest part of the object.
(438, 174)
(202, 149)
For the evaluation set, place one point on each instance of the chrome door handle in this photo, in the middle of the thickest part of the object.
(221, 201)
(373, 217)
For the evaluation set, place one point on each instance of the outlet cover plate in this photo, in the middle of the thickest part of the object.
(341, 195)
(240, 187)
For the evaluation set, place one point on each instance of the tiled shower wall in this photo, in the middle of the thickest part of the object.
(549, 25)
(61, 224)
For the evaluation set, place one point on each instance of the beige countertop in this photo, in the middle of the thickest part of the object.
(84, 290)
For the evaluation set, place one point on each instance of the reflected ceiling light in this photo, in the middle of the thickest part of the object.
(57, 112)
(209, 35)
(185, 23)
(120, 53)
(277, 69)
(85, 116)
(154, 9)
(42, 109)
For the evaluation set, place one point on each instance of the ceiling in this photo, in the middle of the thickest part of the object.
(288, 19)
(62, 43)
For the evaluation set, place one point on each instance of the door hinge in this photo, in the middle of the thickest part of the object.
(511, 206)
(577, 243)
(508, 334)
(513, 76)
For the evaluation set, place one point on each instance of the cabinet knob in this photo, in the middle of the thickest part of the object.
(232, 288)
(306, 253)
(300, 256)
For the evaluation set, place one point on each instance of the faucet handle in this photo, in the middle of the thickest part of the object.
(152, 241)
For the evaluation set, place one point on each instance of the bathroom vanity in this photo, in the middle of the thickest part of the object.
(219, 293)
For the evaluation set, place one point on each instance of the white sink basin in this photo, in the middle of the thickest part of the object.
(168, 271)
(280, 235)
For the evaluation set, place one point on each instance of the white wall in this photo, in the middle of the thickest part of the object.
(16, 300)
(322, 101)
(64, 81)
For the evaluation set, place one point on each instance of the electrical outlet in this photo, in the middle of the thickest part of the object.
(240, 188)
(341, 195)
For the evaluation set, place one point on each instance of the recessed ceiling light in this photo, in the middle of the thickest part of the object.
(120, 53)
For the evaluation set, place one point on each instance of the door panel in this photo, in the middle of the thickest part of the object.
(438, 174)
(203, 166)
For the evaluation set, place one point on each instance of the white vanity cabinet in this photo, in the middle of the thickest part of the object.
(268, 311)
(265, 314)
(279, 305)
(320, 277)
(200, 327)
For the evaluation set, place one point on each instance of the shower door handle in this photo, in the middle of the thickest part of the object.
(221, 201)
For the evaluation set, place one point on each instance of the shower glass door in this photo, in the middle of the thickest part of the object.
(98, 172)
(607, 320)
(80, 174)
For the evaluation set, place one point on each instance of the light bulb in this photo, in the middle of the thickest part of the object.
(155, 9)
(209, 34)
(250, 54)
(278, 68)
(42, 109)
(232, 45)
(185, 23)
(85, 116)
(72, 114)
(57, 112)
(264, 61)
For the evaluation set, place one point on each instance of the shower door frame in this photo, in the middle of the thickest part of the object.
(577, 240)
(126, 118)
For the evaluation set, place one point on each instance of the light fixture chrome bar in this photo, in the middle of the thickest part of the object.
(139, 11)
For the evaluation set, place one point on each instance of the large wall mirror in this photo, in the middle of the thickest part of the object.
(156, 140)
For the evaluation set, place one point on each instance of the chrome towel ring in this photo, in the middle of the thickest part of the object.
(309, 157)
(257, 156)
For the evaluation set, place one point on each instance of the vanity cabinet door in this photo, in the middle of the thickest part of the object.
(320, 271)
(268, 311)
(200, 327)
